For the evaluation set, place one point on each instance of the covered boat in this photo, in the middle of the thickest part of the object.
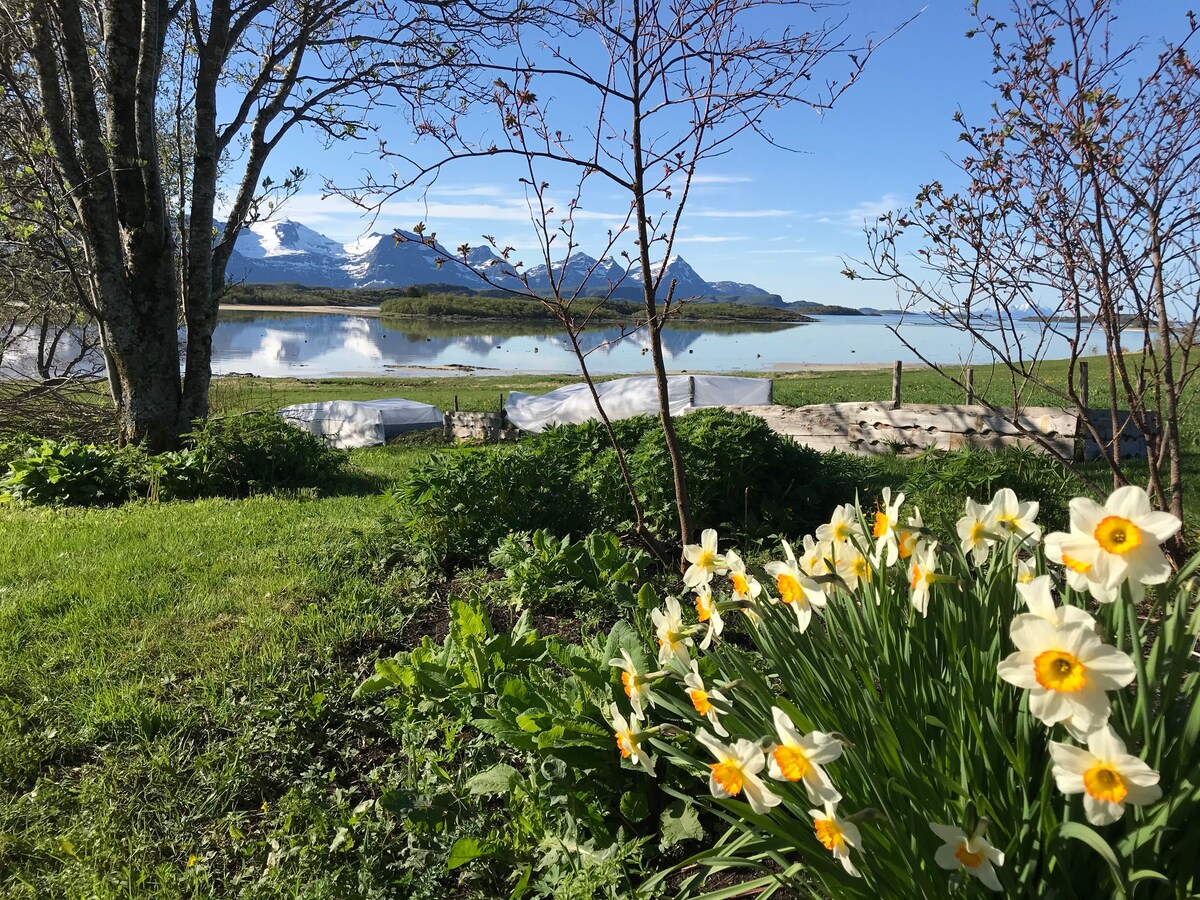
(362, 423)
(627, 397)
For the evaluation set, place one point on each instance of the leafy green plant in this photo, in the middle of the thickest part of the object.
(545, 571)
(538, 702)
(75, 474)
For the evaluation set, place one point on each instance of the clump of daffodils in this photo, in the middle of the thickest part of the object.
(765, 753)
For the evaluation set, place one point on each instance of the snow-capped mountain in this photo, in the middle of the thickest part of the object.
(286, 251)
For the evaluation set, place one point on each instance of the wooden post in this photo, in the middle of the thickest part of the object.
(456, 402)
(1083, 386)
(970, 386)
(896, 384)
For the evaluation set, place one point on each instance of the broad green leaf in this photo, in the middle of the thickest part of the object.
(464, 850)
(499, 779)
(680, 823)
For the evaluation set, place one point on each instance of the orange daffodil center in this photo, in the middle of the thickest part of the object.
(1063, 664)
(702, 698)
(729, 776)
(740, 585)
(1117, 535)
(735, 772)
(629, 736)
(789, 588)
(829, 833)
(792, 763)
(964, 855)
(801, 757)
(882, 524)
(1057, 670)
(1103, 782)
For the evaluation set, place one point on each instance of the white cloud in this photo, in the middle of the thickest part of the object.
(709, 239)
(869, 210)
(739, 213)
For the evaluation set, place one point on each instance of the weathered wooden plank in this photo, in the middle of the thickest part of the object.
(876, 428)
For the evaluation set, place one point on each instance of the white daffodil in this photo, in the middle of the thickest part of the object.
(921, 572)
(637, 684)
(796, 588)
(745, 585)
(814, 560)
(913, 539)
(1016, 518)
(843, 525)
(736, 772)
(630, 736)
(1026, 570)
(852, 565)
(837, 835)
(1074, 552)
(1105, 774)
(1119, 542)
(673, 637)
(702, 698)
(974, 854)
(1066, 670)
(704, 559)
(1040, 602)
(885, 530)
(800, 757)
(977, 532)
(708, 614)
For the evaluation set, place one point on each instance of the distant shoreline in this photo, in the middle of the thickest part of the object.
(376, 313)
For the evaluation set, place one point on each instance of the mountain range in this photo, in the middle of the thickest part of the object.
(285, 251)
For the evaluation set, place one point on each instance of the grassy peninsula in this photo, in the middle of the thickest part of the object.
(456, 303)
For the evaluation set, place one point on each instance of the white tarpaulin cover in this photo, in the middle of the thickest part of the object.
(627, 397)
(361, 423)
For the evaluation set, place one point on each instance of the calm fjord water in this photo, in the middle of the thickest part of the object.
(312, 345)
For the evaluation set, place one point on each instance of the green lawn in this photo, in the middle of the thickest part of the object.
(175, 681)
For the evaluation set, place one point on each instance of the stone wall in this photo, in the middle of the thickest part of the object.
(484, 428)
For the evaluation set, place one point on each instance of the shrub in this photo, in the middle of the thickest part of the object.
(225, 457)
(743, 478)
(250, 453)
(940, 711)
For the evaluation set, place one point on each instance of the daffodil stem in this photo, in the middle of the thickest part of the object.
(1139, 662)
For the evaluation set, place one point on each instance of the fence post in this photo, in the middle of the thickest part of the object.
(456, 402)
(1083, 386)
(970, 386)
(896, 384)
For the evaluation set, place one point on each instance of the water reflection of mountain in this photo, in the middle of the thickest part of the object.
(290, 343)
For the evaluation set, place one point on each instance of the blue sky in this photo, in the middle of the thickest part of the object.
(782, 220)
